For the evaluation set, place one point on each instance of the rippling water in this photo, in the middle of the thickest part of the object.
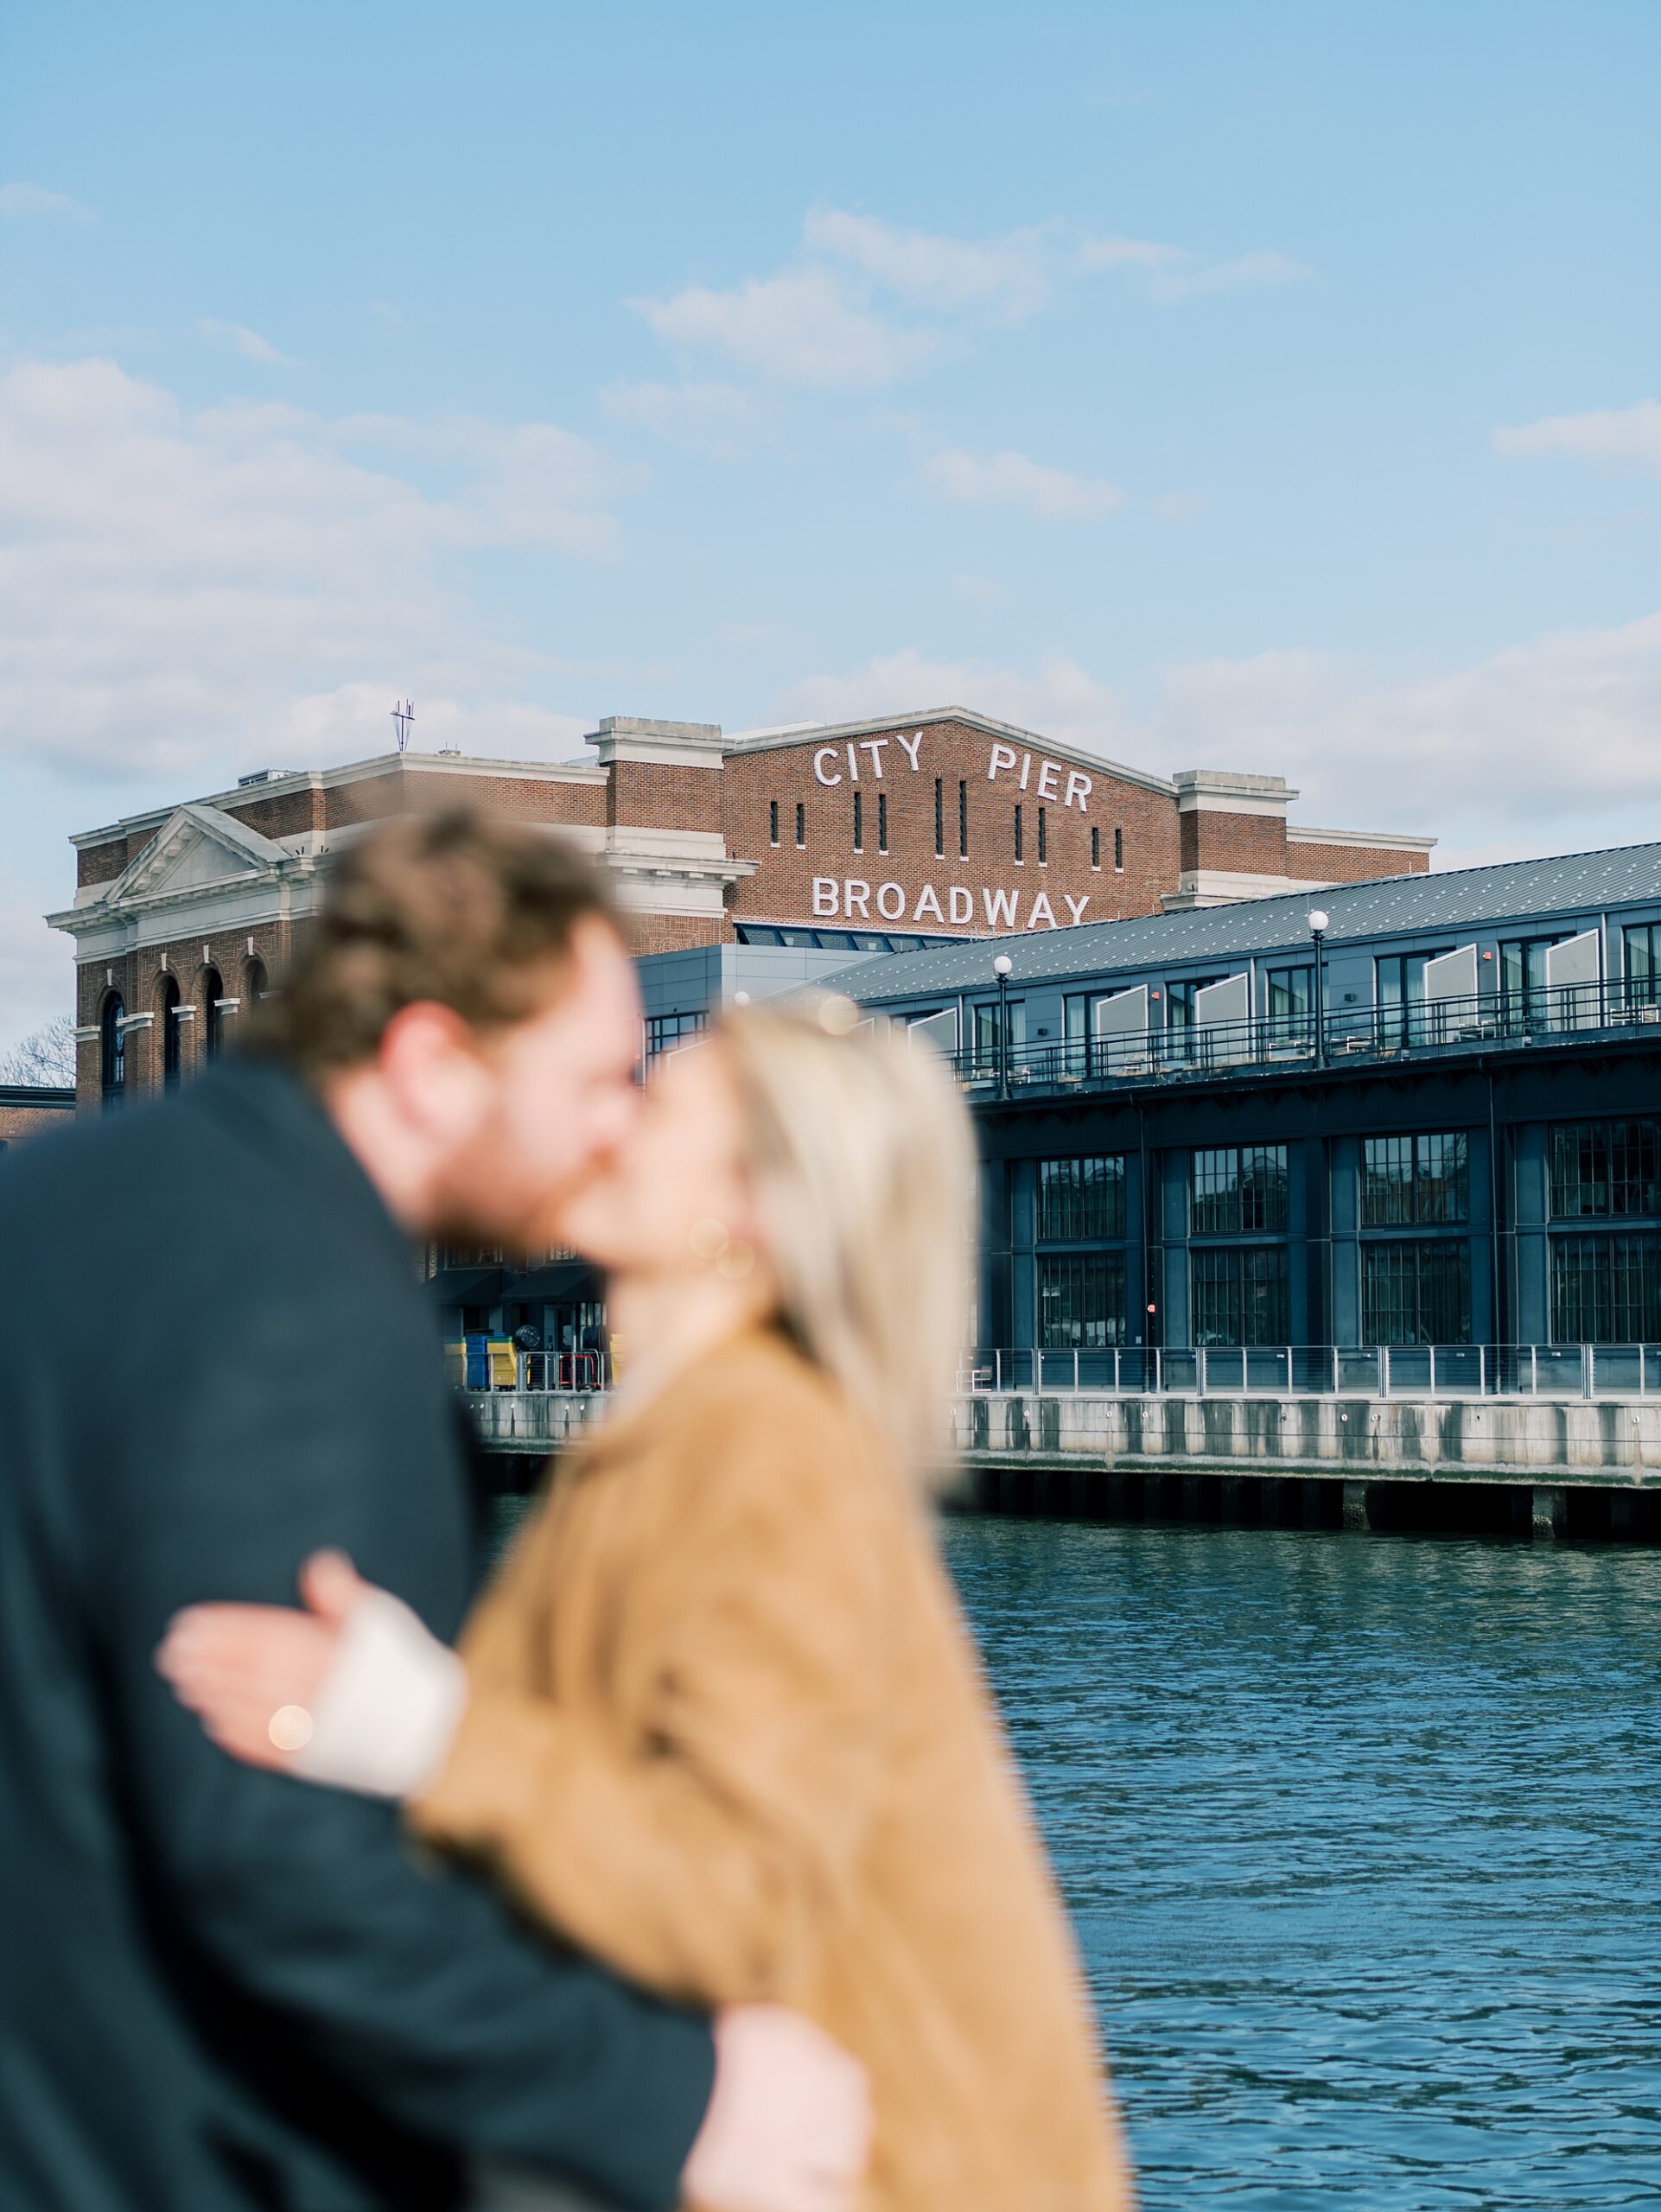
(1362, 1838)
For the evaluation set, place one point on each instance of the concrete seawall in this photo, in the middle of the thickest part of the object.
(1574, 1439)
(1536, 1467)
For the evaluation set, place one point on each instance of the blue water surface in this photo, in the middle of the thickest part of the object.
(1362, 1840)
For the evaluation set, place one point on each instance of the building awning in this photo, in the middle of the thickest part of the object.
(554, 1282)
(466, 1286)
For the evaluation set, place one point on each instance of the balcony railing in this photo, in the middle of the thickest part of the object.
(1322, 1370)
(1352, 1035)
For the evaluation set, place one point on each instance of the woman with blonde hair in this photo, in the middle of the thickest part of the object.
(719, 1720)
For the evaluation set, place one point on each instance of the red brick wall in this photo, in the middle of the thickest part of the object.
(287, 814)
(782, 889)
(102, 863)
(1244, 844)
(1317, 863)
(140, 978)
(17, 1122)
(673, 932)
(652, 795)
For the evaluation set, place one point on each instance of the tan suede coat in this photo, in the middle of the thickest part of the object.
(727, 1731)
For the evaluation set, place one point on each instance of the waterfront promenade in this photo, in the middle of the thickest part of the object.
(1540, 1466)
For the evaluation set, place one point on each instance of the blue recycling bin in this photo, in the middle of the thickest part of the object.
(478, 1344)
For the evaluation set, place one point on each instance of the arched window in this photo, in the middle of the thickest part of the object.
(112, 1049)
(256, 985)
(212, 1013)
(168, 1013)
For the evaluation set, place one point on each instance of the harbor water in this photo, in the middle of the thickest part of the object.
(1362, 1841)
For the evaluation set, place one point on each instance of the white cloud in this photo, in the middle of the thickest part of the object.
(1545, 744)
(717, 419)
(248, 343)
(1008, 273)
(25, 202)
(37, 968)
(1613, 437)
(1244, 272)
(1546, 747)
(1175, 273)
(1010, 479)
(1057, 698)
(181, 591)
(806, 326)
(1130, 253)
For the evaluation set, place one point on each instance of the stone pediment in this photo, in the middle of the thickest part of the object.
(197, 849)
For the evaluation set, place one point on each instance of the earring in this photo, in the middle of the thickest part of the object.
(734, 1260)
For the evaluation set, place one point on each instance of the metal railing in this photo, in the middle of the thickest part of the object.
(1351, 1034)
(563, 1370)
(1321, 1370)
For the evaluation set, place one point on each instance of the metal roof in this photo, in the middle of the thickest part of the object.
(1575, 883)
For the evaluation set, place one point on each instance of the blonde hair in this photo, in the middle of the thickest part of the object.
(862, 1163)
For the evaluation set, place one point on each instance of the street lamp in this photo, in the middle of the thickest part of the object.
(1000, 967)
(1319, 919)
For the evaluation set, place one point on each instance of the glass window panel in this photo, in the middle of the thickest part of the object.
(664, 1031)
(1239, 1189)
(1240, 1295)
(1417, 1293)
(1081, 1300)
(1408, 1179)
(1642, 965)
(1607, 1289)
(1602, 1168)
(1080, 1198)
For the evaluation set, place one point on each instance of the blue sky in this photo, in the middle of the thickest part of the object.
(1261, 386)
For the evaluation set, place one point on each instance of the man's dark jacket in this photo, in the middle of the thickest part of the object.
(221, 1989)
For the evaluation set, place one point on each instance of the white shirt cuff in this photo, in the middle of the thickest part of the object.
(387, 1713)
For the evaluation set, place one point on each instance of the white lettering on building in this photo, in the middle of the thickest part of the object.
(826, 753)
(1003, 758)
(850, 900)
(873, 745)
(909, 747)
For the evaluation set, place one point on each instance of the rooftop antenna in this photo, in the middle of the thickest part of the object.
(403, 715)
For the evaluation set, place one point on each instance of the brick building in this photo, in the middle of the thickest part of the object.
(875, 834)
(29, 1110)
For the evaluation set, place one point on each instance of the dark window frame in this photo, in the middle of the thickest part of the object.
(1081, 1200)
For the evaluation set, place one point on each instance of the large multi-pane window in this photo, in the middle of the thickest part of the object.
(1522, 1002)
(983, 1031)
(112, 1050)
(1606, 1290)
(1080, 1300)
(1417, 1291)
(1410, 1180)
(664, 1031)
(1239, 1190)
(1081, 1199)
(1642, 965)
(1399, 989)
(1291, 1001)
(1240, 1294)
(1606, 1168)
